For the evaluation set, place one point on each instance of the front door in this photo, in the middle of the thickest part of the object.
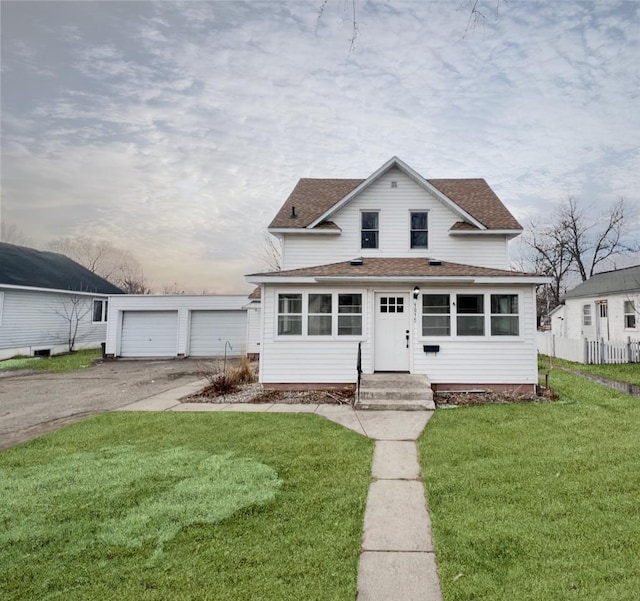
(602, 317)
(391, 332)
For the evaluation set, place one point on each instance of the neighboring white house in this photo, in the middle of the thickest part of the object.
(606, 306)
(414, 271)
(47, 302)
(181, 326)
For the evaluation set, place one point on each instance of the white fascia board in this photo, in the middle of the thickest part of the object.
(534, 279)
(415, 176)
(274, 279)
(485, 232)
(56, 291)
(303, 230)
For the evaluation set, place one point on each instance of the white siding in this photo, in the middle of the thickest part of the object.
(615, 307)
(184, 305)
(211, 330)
(489, 360)
(254, 318)
(394, 206)
(34, 320)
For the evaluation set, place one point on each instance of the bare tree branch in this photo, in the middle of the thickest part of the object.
(272, 253)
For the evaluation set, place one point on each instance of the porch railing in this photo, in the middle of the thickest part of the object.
(359, 370)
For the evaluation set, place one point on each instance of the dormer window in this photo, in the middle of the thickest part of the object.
(419, 229)
(370, 229)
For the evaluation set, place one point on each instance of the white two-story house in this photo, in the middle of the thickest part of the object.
(414, 272)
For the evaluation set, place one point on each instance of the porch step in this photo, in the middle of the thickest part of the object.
(393, 391)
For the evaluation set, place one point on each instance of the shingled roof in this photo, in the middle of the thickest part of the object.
(22, 266)
(395, 267)
(312, 198)
(608, 282)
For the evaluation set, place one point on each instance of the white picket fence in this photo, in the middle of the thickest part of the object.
(582, 350)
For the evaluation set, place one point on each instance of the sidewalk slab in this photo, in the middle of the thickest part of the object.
(343, 415)
(154, 403)
(247, 407)
(395, 460)
(396, 517)
(292, 408)
(197, 407)
(401, 576)
(394, 425)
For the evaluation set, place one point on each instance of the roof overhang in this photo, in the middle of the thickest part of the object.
(416, 177)
(56, 291)
(304, 230)
(510, 280)
(486, 232)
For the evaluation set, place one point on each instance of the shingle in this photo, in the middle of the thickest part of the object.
(607, 282)
(22, 266)
(311, 198)
(394, 267)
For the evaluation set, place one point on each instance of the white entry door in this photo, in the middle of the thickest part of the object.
(602, 319)
(391, 332)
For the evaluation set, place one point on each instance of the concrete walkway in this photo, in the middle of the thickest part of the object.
(397, 560)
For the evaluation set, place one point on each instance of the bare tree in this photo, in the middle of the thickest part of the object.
(592, 242)
(172, 289)
(272, 253)
(570, 243)
(11, 234)
(73, 310)
(101, 257)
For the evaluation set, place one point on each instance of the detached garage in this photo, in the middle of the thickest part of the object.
(176, 326)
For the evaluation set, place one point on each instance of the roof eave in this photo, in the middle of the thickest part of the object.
(303, 230)
(57, 291)
(487, 232)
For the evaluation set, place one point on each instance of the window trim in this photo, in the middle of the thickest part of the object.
(103, 312)
(411, 230)
(586, 314)
(453, 293)
(334, 336)
(279, 314)
(492, 315)
(377, 212)
(625, 314)
(449, 314)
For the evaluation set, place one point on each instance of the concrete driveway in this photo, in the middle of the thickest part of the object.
(31, 405)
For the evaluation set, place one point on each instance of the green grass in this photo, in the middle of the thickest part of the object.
(57, 363)
(537, 502)
(185, 506)
(623, 372)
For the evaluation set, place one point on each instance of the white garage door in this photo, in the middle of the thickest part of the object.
(149, 334)
(211, 329)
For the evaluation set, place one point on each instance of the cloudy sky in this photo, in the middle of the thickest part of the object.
(176, 130)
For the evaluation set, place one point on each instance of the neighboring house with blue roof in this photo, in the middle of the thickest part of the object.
(49, 303)
(606, 306)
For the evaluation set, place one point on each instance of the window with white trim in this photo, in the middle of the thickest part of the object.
(99, 311)
(314, 314)
(369, 229)
(630, 320)
(505, 320)
(289, 314)
(319, 315)
(436, 315)
(349, 314)
(586, 315)
(470, 314)
(419, 230)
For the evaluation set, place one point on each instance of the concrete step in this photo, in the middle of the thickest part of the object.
(407, 394)
(394, 405)
(395, 391)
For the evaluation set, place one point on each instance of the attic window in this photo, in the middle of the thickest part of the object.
(394, 184)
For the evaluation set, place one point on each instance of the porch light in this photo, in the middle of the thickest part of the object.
(416, 293)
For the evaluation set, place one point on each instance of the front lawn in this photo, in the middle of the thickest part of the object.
(623, 372)
(185, 506)
(58, 363)
(537, 502)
